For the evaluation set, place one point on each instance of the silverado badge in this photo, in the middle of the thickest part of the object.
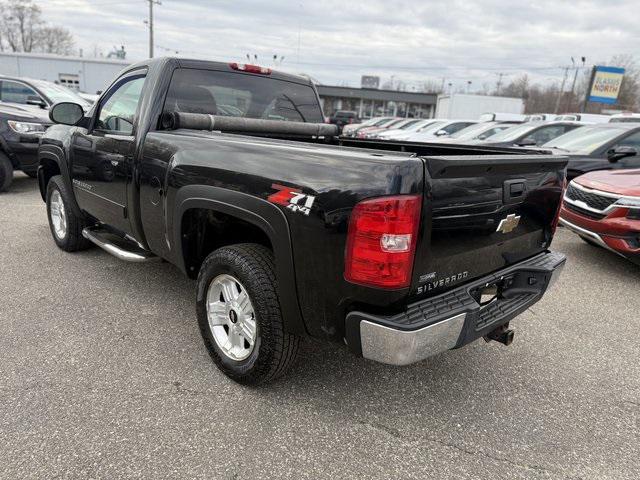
(509, 223)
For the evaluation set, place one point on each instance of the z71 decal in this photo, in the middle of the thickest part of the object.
(292, 198)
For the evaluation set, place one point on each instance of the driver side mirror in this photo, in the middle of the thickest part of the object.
(441, 133)
(36, 100)
(619, 152)
(66, 113)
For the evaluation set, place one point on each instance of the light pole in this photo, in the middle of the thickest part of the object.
(575, 77)
(150, 22)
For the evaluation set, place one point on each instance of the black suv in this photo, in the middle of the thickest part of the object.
(24, 116)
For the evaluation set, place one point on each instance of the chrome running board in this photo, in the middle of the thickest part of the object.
(117, 246)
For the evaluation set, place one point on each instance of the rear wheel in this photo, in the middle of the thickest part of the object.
(239, 315)
(66, 227)
(6, 172)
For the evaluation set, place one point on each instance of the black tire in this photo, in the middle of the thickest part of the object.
(6, 172)
(31, 174)
(275, 350)
(72, 240)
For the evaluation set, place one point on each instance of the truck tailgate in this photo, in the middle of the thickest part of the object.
(483, 213)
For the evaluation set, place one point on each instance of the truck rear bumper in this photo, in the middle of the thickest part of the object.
(452, 319)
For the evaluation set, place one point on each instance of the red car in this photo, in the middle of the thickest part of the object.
(603, 208)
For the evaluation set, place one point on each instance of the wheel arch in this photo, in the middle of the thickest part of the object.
(265, 217)
(50, 163)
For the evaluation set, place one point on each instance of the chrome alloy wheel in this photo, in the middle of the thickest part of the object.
(58, 215)
(231, 317)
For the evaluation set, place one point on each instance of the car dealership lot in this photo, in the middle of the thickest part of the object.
(104, 375)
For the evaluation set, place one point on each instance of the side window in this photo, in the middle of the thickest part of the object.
(117, 113)
(546, 134)
(632, 140)
(15, 92)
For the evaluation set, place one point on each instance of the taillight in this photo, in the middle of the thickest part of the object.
(554, 225)
(381, 242)
(245, 67)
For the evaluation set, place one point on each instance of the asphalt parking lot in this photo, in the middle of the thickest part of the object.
(103, 375)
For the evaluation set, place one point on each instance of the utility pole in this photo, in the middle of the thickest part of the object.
(500, 75)
(151, 2)
(575, 77)
(564, 80)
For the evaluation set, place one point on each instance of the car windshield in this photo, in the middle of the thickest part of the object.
(431, 127)
(58, 93)
(585, 139)
(511, 134)
(472, 131)
(406, 124)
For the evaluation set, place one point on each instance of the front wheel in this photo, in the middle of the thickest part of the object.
(66, 227)
(6, 172)
(239, 315)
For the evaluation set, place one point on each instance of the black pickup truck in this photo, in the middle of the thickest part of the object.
(399, 250)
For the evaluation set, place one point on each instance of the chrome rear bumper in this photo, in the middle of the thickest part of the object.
(454, 318)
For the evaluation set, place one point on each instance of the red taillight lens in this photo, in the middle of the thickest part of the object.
(245, 67)
(382, 241)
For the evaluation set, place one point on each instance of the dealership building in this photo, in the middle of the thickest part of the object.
(374, 102)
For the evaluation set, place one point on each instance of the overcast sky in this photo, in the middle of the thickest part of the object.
(337, 41)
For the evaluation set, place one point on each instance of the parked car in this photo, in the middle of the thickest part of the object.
(21, 127)
(476, 132)
(502, 117)
(344, 117)
(386, 125)
(530, 134)
(40, 93)
(398, 127)
(603, 208)
(625, 117)
(607, 146)
(584, 117)
(436, 130)
(287, 232)
(540, 117)
(351, 129)
(405, 130)
(420, 127)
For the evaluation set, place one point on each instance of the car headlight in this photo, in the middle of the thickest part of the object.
(26, 127)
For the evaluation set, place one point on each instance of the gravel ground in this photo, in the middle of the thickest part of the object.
(103, 375)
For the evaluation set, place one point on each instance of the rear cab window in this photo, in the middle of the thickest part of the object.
(241, 95)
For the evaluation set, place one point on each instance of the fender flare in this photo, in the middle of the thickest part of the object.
(264, 215)
(56, 154)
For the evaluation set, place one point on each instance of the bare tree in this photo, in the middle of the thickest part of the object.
(55, 40)
(23, 30)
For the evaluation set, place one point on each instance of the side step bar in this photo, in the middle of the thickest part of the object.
(117, 246)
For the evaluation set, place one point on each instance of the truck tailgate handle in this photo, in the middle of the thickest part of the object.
(514, 191)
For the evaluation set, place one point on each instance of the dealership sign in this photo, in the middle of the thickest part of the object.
(605, 85)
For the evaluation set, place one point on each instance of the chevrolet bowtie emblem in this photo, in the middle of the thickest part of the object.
(508, 224)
